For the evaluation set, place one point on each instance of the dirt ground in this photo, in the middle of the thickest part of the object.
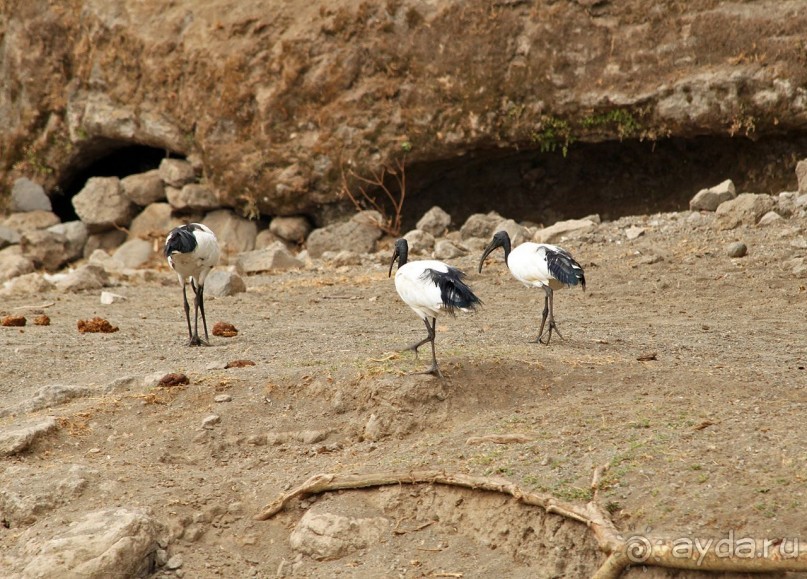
(704, 437)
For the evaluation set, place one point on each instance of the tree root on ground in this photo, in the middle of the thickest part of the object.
(704, 554)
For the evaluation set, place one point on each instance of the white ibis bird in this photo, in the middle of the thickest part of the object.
(539, 265)
(192, 250)
(430, 288)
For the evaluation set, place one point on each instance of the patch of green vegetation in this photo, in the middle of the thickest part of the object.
(621, 120)
(552, 133)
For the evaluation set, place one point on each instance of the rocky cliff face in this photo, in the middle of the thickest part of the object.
(278, 100)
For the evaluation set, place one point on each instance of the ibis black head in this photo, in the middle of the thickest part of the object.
(500, 239)
(401, 253)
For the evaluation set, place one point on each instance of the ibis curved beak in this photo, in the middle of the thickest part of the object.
(392, 263)
(491, 246)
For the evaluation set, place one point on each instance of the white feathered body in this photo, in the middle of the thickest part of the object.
(192, 259)
(417, 286)
(542, 264)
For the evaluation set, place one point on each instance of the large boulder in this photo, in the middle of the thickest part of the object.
(746, 209)
(102, 205)
(358, 234)
(27, 195)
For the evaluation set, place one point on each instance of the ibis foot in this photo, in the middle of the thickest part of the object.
(197, 341)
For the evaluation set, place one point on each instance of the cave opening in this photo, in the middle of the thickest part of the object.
(103, 158)
(611, 178)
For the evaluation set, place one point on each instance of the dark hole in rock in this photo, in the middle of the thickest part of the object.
(612, 178)
(103, 158)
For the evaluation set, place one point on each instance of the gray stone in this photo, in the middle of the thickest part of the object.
(801, 175)
(76, 234)
(105, 240)
(47, 249)
(359, 234)
(101, 204)
(737, 249)
(419, 241)
(144, 188)
(28, 284)
(31, 220)
(222, 283)
(770, 218)
(154, 221)
(569, 229)
(134, 253)
(325, 536)
(8, 236)
(54, 395)
(434, 221)
(711, 198)
(192, 197)
(746, 209)
(18, 438)
(445, 249)
(28, 196)
(480, 225)
(87, 277)
(266, 238)
(13, 263)
(176, 172)
(114, 542)
(294, 228)
(276, 257)
(235, 234)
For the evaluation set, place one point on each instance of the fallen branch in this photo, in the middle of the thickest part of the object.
(740, 555)
(499, 439)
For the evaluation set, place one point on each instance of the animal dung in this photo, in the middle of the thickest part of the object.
(96, 325)
(174, 379)
(224, 330)
(239, 363)
(13, 321)
(42, 320)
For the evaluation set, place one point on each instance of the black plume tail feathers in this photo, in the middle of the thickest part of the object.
(454, 292)
(565, 269)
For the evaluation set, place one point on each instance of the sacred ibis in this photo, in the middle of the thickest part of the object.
(539, 265)
(192, 250)
(430, 288)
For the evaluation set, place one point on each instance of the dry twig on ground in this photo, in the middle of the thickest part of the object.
(391, 205)
(650, 550)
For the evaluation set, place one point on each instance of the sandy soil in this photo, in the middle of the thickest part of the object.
(705, 438)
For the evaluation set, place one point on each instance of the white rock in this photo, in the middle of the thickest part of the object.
(359, 234)
(30, 220)
(480, 225)
(87, 277)
(746, 209)
(105, 240)
(109, 298)
(445, 249)
(76, 234)
(13, 263)
(210, 421)
(155, 220)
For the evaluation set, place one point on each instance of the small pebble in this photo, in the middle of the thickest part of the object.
(223, 398)
(737, 249)
(174, 562)
(210, 421)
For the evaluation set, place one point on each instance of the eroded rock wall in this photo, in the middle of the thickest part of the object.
(276, 99)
